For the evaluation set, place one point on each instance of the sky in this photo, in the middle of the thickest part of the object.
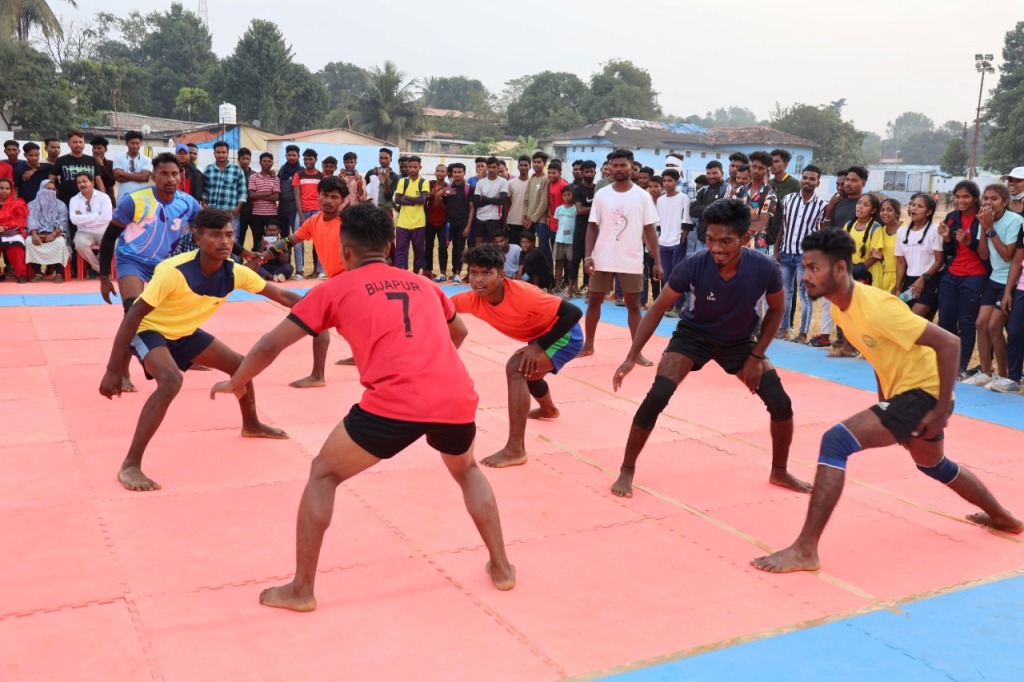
(884, 56)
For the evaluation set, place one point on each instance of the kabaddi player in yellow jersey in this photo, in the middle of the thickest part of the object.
(162, 330)
(915, 364)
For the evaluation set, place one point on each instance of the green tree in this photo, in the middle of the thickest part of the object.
(257, 77)
(732, 117)
(345, 84)
(389, 106)
(525, 145)
(19, 17)
(838, 142)
(871, 147)
(1004, 111)
(32, 94)
(306, 87)
(955, 159)
(177, 53)
(193, 103)
(549, 104)
(906, 124)
(620, 89)
(484, 147)
(94, 84)
(454, 92)
(122, 36)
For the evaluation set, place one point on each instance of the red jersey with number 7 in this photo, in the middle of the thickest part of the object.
(397, 326)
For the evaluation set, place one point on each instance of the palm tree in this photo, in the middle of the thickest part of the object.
(20, 16)
(388, 106)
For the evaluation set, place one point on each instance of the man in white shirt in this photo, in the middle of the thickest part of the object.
(90, 211)
(676, 225)
(489, 195)
(622, 219)
(132, 170)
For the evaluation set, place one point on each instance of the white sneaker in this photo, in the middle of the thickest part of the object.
(456, 280)
(322, 275)
(979, 379)
(1003, 385)
(440, 279)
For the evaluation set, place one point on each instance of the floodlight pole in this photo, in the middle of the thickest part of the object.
(983, 64)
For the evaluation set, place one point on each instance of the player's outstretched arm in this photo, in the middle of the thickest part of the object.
(645, 331)
(111, 384)
(260, 356)
(283, 296)
(457, 330)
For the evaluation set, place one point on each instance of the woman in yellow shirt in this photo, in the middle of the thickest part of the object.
(883, 244)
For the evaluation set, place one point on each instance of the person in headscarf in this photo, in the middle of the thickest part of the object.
(47, 242)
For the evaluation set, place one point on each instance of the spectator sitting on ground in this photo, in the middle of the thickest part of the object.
(277, 268)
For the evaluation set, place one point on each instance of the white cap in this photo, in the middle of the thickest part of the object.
(1017, 174)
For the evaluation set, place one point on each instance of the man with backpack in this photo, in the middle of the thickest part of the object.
(411, 197)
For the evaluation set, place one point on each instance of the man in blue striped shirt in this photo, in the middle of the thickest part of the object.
(802, 213)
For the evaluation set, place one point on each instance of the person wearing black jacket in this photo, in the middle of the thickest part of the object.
(966, 272)
(716, 189)
(192, 179)
(548, 325)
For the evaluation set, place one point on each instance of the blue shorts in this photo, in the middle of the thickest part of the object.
(129, 266)
(566, 348)
(183, 350)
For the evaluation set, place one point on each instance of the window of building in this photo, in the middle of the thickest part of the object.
(687, 153)
(718, 156)
(703, 155)
(800, 163)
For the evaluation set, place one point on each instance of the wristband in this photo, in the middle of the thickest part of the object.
(755, 355)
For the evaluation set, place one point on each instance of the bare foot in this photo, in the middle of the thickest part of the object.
(623, 486)
(308, 382)
(587, 350)
(1008, 523)
(541, 413)
(284, 597)
(504, 458)
(261, 430)
(643, 362)
(132, 478)
(348, 362)
(784, 479)
(504, 579)
(787, 561)
(127, 386)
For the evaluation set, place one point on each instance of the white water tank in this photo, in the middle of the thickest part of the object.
(227, 113)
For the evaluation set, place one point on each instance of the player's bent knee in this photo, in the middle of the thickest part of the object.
(655, 402)
(127, 304)
(538, 389)
(944, 472)
(775, 398)
(169, 381)
(836, 447)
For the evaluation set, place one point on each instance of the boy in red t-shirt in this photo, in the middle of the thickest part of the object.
(547, 324)
(324, 228)
(404, 333)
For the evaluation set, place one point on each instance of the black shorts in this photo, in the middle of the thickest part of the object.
(183, 350)
(992, 294)
(902, 413)
(929, 293)
(489, 229)
(384, 438)
(692, 342)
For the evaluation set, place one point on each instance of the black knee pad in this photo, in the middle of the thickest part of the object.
(771, 392)
(538, 389)
(127, 303)
(655, 402)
